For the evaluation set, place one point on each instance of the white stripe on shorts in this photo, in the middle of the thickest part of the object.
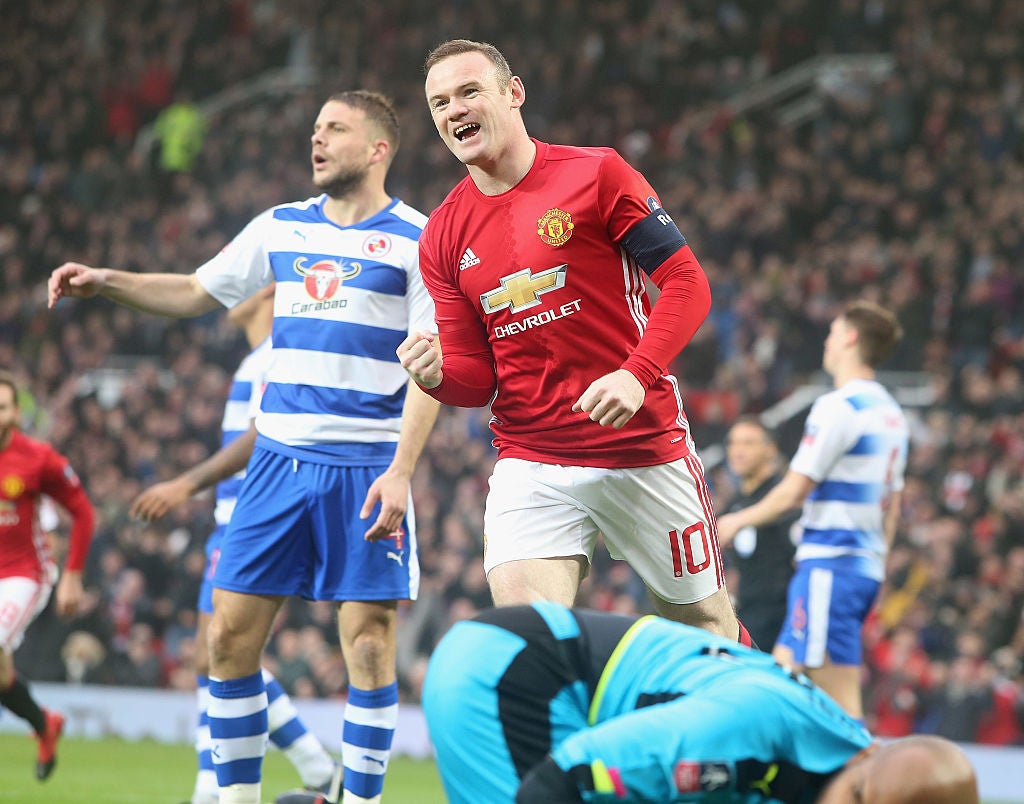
(819, 601)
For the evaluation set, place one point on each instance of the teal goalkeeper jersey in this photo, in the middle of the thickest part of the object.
(635, 710)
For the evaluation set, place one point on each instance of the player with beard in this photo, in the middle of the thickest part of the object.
(28, 470)
(226, 469)
(339, 432)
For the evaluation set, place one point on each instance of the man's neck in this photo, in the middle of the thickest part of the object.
(356, 207)
(505, 172)
(851, 373)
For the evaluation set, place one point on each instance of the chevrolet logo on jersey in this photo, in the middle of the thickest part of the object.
(522, 290)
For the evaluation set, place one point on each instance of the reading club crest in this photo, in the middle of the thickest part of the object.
(323, 277)
(555, 227)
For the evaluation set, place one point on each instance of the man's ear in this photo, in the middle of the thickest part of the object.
(518, 91)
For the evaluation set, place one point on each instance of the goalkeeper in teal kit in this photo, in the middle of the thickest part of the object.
(546, 705)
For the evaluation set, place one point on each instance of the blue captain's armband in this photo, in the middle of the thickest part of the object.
(653, 239)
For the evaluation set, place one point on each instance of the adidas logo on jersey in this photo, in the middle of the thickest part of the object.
(469, 259)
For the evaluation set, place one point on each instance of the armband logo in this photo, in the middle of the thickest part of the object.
(12, 486)
(555, 227)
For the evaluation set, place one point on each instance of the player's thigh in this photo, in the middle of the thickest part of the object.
(201, 656)
(660, 519)
(267, 549)
(826, 612)
(531, 512)
(21, 600)
(530, 579)
(347, 566)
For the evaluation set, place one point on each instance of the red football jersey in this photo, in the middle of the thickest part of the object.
(534, 285)
(28, 469)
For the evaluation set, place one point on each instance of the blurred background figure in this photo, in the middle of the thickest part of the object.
(763, 554)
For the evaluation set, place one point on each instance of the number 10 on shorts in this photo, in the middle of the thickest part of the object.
(693, 540)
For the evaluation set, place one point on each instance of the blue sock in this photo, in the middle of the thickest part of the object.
(370, 719)
(238, 729)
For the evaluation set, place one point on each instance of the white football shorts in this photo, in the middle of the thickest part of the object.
(658, 518)
(21, 601)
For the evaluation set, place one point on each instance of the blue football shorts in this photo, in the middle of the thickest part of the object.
(827, 606)
(296, 530)
(213, 543)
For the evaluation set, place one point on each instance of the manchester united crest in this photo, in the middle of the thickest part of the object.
(555, 227)
(12, 486)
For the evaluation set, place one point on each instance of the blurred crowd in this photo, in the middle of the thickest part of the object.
(906, 188)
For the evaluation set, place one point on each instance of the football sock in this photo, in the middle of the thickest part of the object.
(206, 776)
(744, 637)
(370, 719)
(238, 736)
(289, 734)
(19, 700)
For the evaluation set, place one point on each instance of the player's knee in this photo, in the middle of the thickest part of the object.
(369, 650)
(226, 642)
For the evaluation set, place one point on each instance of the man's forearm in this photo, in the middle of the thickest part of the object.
(224, 463)
(170, 295)
(418, 416)
(788, 493)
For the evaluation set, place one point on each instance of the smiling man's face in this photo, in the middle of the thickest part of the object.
(472, 112)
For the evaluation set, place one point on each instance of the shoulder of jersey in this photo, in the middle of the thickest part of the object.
(558, 153)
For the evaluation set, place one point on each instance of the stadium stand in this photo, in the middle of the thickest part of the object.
(903, 184)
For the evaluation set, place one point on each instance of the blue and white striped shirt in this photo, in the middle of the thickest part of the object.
(854, 447)
(346, 297)
(241, 407)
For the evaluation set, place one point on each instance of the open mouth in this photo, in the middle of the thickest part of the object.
(466, 131)
(319, 159)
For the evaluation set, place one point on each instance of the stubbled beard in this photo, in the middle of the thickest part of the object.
(344, 183)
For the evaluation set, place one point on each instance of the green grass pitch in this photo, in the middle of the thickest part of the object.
(113, 771)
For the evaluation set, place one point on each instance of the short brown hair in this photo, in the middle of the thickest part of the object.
(378, 110)
(878, 330)
(753, 421)
(456, 47)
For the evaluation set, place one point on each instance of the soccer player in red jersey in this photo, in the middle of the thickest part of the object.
(28, 470)
(537, 263)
